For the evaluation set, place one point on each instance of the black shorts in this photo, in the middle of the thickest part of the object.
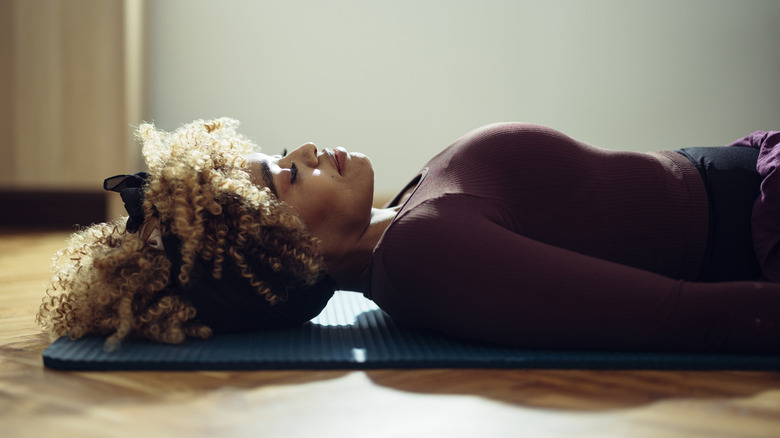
(733, 185)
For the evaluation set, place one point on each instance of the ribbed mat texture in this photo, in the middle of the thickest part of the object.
(352, 333)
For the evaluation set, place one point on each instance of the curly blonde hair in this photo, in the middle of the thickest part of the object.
(108, 282)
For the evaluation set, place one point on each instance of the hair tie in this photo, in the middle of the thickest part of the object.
(131, 189)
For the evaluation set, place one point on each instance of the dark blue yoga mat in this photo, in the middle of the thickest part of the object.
(352, 333)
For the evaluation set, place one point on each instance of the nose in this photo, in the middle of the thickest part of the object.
(308, 153)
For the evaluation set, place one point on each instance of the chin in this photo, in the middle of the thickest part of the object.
(364, 158)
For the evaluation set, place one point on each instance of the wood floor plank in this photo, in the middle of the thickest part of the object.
(36, 401)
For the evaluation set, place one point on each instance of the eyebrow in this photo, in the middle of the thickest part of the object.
(268, 177)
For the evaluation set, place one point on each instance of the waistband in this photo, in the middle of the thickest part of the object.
(732, 185)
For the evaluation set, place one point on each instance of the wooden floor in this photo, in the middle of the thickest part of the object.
(40, 402)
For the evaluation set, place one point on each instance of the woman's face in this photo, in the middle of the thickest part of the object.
(331, 190)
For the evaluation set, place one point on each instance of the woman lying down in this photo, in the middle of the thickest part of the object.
(515, 234)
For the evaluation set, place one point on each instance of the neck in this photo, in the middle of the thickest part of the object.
(350, 271)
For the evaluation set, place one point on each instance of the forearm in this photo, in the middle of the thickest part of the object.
(512, 290)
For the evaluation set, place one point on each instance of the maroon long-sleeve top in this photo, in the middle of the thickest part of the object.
(519, 235)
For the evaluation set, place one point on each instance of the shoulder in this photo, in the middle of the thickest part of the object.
(432, 230)
(426, 220)
(417, 250)
(417, 228)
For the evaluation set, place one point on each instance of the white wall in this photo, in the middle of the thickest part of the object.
(401, 79)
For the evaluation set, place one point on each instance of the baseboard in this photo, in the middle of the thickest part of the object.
(67, 209)
(51, 209)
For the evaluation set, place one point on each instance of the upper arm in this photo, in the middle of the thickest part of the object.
(475, 278)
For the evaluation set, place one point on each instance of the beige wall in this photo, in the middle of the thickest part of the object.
(397, 80)
(400, 79)
(70, 86)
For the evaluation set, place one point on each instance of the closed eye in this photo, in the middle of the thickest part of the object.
(294, 172)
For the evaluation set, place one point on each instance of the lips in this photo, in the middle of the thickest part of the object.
(339, 156)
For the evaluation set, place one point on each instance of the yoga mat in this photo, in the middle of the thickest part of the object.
(352, 333)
